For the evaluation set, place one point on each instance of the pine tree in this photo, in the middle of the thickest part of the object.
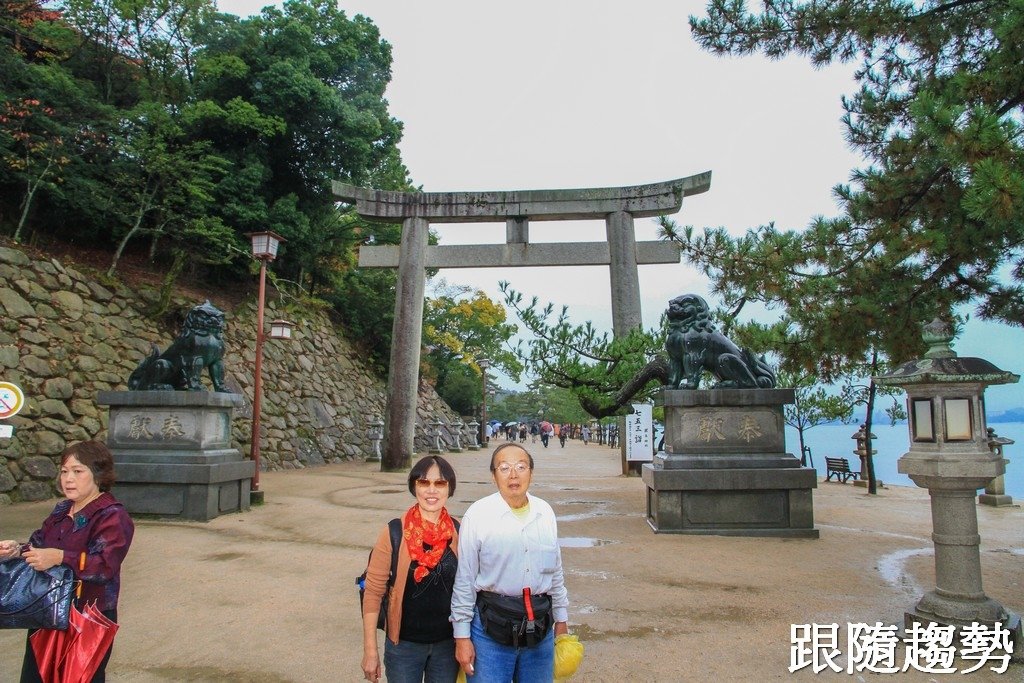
(934, 218)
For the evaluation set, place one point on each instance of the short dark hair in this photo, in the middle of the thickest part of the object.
(420, 469)
(97, 457)
(494, 455)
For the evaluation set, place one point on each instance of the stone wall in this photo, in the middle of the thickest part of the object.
(65, 336)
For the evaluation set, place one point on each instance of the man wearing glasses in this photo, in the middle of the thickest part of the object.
(509, 600)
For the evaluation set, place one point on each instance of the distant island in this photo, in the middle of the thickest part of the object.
(1011, 415)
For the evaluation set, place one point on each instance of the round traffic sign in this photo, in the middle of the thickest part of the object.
(12, 400)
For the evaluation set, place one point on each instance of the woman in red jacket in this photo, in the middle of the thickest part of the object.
(418, 643)
(89, 531)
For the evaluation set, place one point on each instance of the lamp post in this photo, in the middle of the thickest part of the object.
(264, 249)
(484, 363)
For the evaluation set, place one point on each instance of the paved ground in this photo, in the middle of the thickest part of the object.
(268, 596)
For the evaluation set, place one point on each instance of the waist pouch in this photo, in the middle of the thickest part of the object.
(505, 620)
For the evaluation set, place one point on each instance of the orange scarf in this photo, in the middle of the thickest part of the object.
(418, 532)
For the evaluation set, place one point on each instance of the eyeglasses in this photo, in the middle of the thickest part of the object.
(505, 469)
(437, 483)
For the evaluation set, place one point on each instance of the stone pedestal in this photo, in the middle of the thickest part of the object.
(995, 494)
(173, 455)
(953, 476)
(725, 470)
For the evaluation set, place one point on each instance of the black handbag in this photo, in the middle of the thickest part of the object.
(33, 599)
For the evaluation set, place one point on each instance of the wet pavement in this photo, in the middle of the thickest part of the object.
(268, 596)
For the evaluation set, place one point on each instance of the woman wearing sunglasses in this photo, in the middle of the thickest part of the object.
(418, 644)
(510, 600)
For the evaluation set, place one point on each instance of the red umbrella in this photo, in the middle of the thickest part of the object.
(48, 645)
(73, 656)
(85, 653)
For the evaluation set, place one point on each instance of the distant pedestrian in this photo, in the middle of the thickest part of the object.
(522, 433)
(585, 433)
(534, 430)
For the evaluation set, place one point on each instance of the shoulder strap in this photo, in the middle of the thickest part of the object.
(395, 530)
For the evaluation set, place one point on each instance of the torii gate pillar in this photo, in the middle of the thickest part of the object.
(618, 206)
(404, 366)
(625, 281)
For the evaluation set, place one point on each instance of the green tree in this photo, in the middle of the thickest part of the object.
(54, 134)
(32, 148)
(135, 49)
(812, 405)
(313, 79)
(554, 404)
(933, 221)
(166, 180)
(461, 389)
(604, 374)
(461, 326)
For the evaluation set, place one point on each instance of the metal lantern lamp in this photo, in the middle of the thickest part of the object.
(265, 244)
(281, 329)
(950, 455)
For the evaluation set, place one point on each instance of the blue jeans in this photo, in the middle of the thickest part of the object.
(417, 662)
(496, 663)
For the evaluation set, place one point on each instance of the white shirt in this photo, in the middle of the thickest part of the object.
(501, 554)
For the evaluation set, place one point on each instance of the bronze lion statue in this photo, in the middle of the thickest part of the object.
(695, 345)
(181, 366)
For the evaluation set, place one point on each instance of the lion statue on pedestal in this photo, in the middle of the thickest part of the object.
(181, 366)
(695, 345)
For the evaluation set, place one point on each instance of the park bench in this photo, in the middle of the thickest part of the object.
(840, 467)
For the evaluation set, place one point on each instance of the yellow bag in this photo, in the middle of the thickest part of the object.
(568, 656)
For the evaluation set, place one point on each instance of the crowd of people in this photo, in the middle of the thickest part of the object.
(546, 431)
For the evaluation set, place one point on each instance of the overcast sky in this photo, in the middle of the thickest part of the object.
(544, 94)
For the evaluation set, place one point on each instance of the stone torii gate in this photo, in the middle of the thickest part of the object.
(618, 206)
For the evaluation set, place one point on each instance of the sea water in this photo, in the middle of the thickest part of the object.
(836, 441)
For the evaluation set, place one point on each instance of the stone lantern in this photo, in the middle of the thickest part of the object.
(376, 433)
(861, 451)
(951, 457)
(436, 433)
(456, 433)
(473, 437)
(995, 492)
